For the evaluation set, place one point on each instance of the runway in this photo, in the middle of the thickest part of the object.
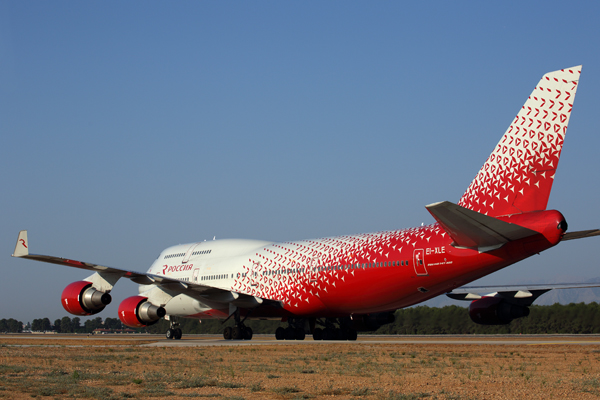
(399, 340)
(262, 340)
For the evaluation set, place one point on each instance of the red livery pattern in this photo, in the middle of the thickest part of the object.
(306, 275)
(518, 175)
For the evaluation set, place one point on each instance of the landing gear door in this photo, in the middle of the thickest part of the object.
(419, 262)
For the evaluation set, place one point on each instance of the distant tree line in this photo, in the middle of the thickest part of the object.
(68, 325)
(422, 320)
(64, 325)
(572, 318)
(10, 325)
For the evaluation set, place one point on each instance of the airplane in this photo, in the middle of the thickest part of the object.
(334, 287)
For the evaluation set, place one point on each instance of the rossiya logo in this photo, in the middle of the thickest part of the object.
(177, 268)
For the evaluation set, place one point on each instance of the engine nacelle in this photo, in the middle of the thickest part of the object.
(372, 322)
(80, 298)
(138, 312)
(495, 311)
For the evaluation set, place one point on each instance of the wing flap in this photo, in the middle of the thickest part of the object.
(470, 229)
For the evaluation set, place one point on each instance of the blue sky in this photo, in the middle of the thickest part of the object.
(129, 127)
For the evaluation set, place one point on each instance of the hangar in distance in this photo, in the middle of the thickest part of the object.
(334, 287)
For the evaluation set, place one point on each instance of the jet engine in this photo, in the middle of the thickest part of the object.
(80, 298)
(495, 311)
(137, 312)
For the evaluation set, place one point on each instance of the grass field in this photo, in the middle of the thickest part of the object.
(121, 370)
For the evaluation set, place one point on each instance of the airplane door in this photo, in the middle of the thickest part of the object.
(188, 254)
(195, 276)
(254, 274)
(311, 270)
(419, 262)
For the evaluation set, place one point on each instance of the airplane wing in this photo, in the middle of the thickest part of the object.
(112, 275)
(524, 294)
(581, 234)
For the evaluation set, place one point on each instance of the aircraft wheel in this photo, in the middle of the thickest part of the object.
(178, 334)
(300, 335)
(170, 333)
(343, 334)
(248, 333)
(290, 333)
(236, 333)
(352, 334)
(328, 334)
(318, 334)
(280, 333)
(337, 334)
(227, 333)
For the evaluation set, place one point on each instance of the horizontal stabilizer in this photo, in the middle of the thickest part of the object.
(473, 230)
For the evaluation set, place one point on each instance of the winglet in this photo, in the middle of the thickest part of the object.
(22, 247)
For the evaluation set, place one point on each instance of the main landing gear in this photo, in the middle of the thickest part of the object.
(174, 332)
(331, 332)
(239, 331)
(298, 327)
(296, 330)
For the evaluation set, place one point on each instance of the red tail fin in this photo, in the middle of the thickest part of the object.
(518, 175)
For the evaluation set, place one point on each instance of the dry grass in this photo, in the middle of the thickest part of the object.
(344, 371)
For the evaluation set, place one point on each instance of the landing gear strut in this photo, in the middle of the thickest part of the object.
(174, 332)
(239, 331)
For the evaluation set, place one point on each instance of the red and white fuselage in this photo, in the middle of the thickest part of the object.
(343, 275)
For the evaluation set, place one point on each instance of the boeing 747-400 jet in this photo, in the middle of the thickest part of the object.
(334, 287)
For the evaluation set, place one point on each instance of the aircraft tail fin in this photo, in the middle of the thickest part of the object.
(517, 177)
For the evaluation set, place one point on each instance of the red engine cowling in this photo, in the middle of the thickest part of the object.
(495, 311)
(137, 312)
(80, 298)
